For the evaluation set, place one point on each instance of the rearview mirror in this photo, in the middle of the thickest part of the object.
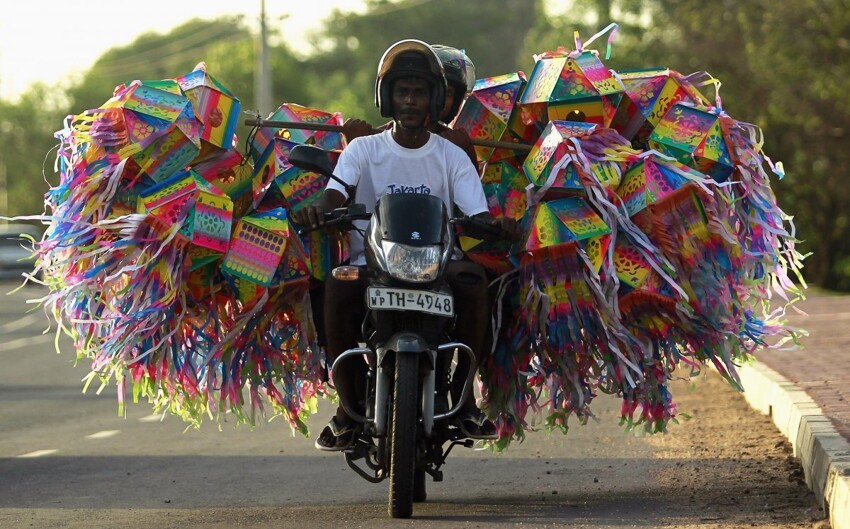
(311, 158)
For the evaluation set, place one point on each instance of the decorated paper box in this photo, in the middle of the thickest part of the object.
(504, 186)
(545, 167)
(214, 105)
(565, 221)
(277, 183)
(693, 136)
(230, 172)
(487, 111)
(648, 96)
(206, 213)
(260, 244)
(299, 114)
(573, 86)
(163, 134)
(649, 181)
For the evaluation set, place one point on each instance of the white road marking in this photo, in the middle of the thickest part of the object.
(156, 417)
(25, 321)
(20, 343)
(104, 434)
(38, 453)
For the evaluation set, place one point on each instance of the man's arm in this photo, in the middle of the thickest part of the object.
(313, 216)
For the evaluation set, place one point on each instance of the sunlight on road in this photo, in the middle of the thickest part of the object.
(37, 453)
(104, 434)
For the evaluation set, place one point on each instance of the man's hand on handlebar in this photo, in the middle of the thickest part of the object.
(511, 230)
(314, 216)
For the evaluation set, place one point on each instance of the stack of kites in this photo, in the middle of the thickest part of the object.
(651, 241)
(171, 259)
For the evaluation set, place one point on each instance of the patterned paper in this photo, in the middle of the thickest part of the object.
(571, 87)
(261, 243)
(694, 137)
(648, 96)
(539, 166)
(299, 114)
(216, 107)
(487, 112)
(206, 214)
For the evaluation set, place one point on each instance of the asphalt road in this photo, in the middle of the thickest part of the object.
(68, 460)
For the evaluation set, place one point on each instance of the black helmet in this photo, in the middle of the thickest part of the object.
(460, 73)
(410, 58)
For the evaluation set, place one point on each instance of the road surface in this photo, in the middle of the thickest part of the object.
(67, 460)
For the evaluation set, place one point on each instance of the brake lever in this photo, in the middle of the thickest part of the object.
(338, 216)
(478, 229)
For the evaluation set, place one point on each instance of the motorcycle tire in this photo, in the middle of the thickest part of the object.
(420, 492)
(403, 435)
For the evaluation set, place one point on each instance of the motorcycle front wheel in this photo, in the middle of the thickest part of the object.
(403, 435)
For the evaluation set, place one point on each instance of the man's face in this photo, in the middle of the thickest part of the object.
(450, 100)
(411, 101)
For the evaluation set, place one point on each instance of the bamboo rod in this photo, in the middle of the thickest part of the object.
(523, 147)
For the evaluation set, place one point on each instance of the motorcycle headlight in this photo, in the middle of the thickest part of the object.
(417, 264)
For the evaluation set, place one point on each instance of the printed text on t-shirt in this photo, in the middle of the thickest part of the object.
(397, 188)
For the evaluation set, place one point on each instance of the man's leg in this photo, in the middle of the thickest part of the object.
(469, 286)
(343, 315)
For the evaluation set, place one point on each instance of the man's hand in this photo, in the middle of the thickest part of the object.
(510, 228)
(354, 128)
(312, 216)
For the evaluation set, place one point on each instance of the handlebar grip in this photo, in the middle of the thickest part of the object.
(478, 228)
(338, 216)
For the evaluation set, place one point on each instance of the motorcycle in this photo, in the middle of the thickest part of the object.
(408, 348)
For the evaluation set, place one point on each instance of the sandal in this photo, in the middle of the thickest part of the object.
(336, 437)
(474, 424)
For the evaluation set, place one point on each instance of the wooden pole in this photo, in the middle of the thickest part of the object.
(257, 122)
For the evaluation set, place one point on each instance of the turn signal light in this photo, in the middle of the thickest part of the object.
(346, 273)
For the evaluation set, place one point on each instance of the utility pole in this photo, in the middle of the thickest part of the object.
(262, 75)
(4, 191)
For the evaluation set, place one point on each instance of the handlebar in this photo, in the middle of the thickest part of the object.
(339, 216)
(478, 229)
(469, 226)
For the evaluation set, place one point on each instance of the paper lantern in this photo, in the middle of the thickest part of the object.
(205, 212)
(215, 106)
(693, 136)
(648, 96)
(260, 244)
(488, 110)
(572, 86)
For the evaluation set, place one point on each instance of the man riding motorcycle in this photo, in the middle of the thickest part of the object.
(410, 87)
(460, 79)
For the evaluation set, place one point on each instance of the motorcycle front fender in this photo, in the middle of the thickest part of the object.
(404, 343)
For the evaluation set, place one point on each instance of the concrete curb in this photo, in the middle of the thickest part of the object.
(823, 452)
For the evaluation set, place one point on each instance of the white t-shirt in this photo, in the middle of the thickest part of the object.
(378, 165)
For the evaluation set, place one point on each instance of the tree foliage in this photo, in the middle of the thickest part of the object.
(490, 32)
(26, 143)
(783, 66)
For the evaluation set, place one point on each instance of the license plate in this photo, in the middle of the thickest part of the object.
(406, 299)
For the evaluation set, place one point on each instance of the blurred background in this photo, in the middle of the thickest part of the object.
(783, 66)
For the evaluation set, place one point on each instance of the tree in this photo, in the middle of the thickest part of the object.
(783, 67)
(343, 74)
(26, 136)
